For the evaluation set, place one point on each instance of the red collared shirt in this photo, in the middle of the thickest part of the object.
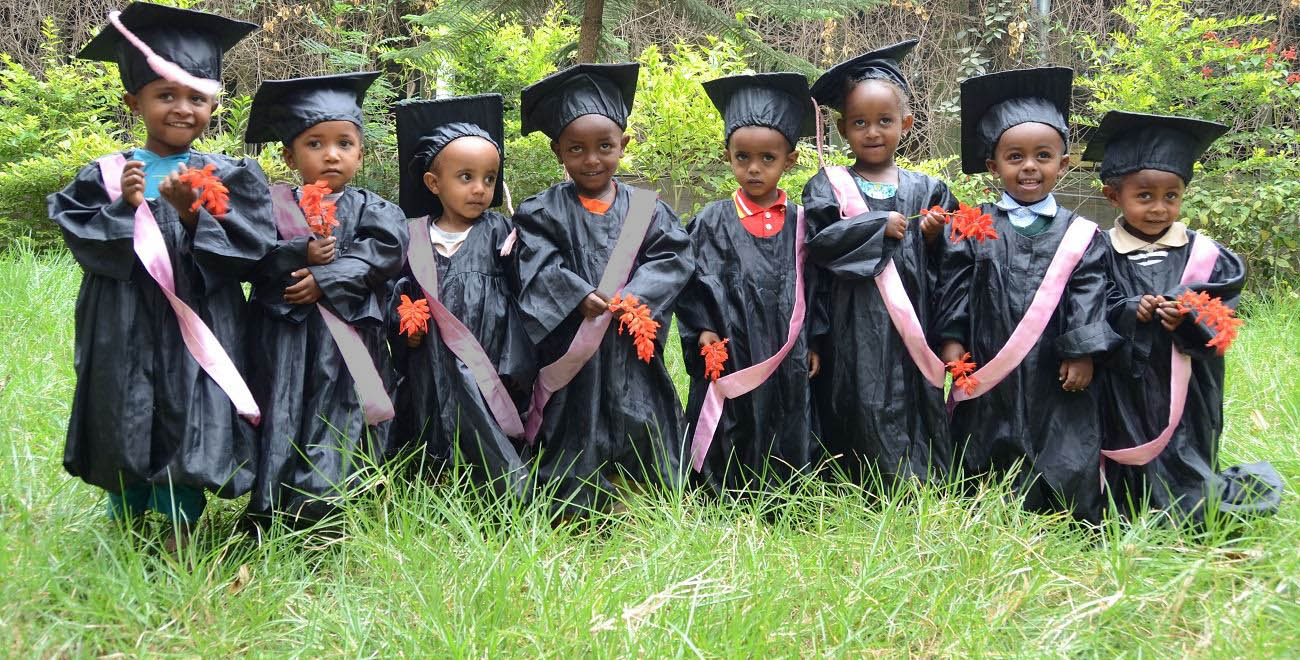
(759, 221)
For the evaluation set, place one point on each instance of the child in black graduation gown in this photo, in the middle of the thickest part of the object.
(744, 290)
(148, 424)
(324, 419)
(619, 416)
(1042, 414)
(878, 413)
(452, 160)
(1146, 165)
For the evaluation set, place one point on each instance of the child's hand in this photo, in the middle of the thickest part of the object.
(708, 337)
(593, 305)
(951, 351)
(181, 196)
(931, 226)
(895, 225)
(321, 251)
(413, 340)
(814, 364)
(305, 292)
(1171, 314)
(133, 183)
(1147, 306)
(1076, 374)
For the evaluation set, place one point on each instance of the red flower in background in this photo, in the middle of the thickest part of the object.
(1289, 54)
(413, 316)
(1234, 43)
(1206, 71)
(1216, 316)
(212, 193)
(1293, 79)
(1210, 36)
(636, 319)
(1272, 48)
(715, 356)
(1268, 61)
(319, 211)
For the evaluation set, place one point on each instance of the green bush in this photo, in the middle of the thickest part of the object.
(1169, 59)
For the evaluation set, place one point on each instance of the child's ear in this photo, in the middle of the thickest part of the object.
(991, 165)
(791, 158)
(839, 126)
(1065, 162)
(908, 120)
(622, 144)
(555, 149)
(286, 153)
(131, 102)
(431, 182)
(1111, 194)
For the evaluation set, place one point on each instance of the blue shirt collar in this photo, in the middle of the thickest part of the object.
(1044, 207)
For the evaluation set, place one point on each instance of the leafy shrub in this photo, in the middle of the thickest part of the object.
(1169, 59)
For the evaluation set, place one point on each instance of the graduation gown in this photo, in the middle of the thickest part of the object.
(1135, 394)
(743, 289)
(617, 412)
(313, 436)
(984, 290)
(878, 413)
(143, 411)
(438, 401)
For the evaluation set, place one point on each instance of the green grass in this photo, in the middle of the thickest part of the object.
(424, 570)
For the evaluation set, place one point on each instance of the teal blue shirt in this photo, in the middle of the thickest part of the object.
(156, 168)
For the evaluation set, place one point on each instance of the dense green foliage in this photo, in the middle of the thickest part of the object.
(428, 569)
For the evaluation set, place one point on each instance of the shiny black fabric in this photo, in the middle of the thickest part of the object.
(1128, 142)
(1135, 397)
(193, 40)
(778, 101)
(438, 401)
(877, 412)
(143, 411)
(743, 289)
(425, 128)
(313, 438)
(882, 63)
(984, 290)
(283, 109)
(552, 103)
(618, 412)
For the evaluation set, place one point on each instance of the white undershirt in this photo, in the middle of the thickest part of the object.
(445, 242)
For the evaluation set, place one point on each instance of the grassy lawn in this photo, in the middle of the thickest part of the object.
(424, 570)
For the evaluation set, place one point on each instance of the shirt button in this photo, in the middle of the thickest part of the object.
(768, 215)
(767, 227)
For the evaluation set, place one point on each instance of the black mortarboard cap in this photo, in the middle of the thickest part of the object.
(193, 40)
(776, 100)
(1128, 142)
(424, 128)
(882, 63)
(283, 109)
(992, 103)
(552, 103)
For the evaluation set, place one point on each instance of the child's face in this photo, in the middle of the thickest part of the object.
(758, 156)
(1150, 200)
(330, 150)
(1029, 159)
(464, 176)
(874, 122)
(590, 148)
(174, 115)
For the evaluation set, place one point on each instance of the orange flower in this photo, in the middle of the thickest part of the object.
(1206, 72)
(968, 222)
(962, 370)
(1289, 54)
(212, 193)
(715, 356)
(319, 211)
(1216, 316)
(413, 316)
(636, 319)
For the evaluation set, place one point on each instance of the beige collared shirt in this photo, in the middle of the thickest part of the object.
(1143, 252)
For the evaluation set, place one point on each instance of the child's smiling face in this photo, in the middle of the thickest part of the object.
(1029, 158)
(1150, 200)
(464, 177)
(330, 150)
(759, 156)
(174, 115)
(590, 148)
(873, 123)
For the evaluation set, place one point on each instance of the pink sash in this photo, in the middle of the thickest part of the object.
(375, 404)
(897, 302)
(744, 381)
(1046, 298)
(554, 376)
(1199, 266)
(456, 336)
(202, 344)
